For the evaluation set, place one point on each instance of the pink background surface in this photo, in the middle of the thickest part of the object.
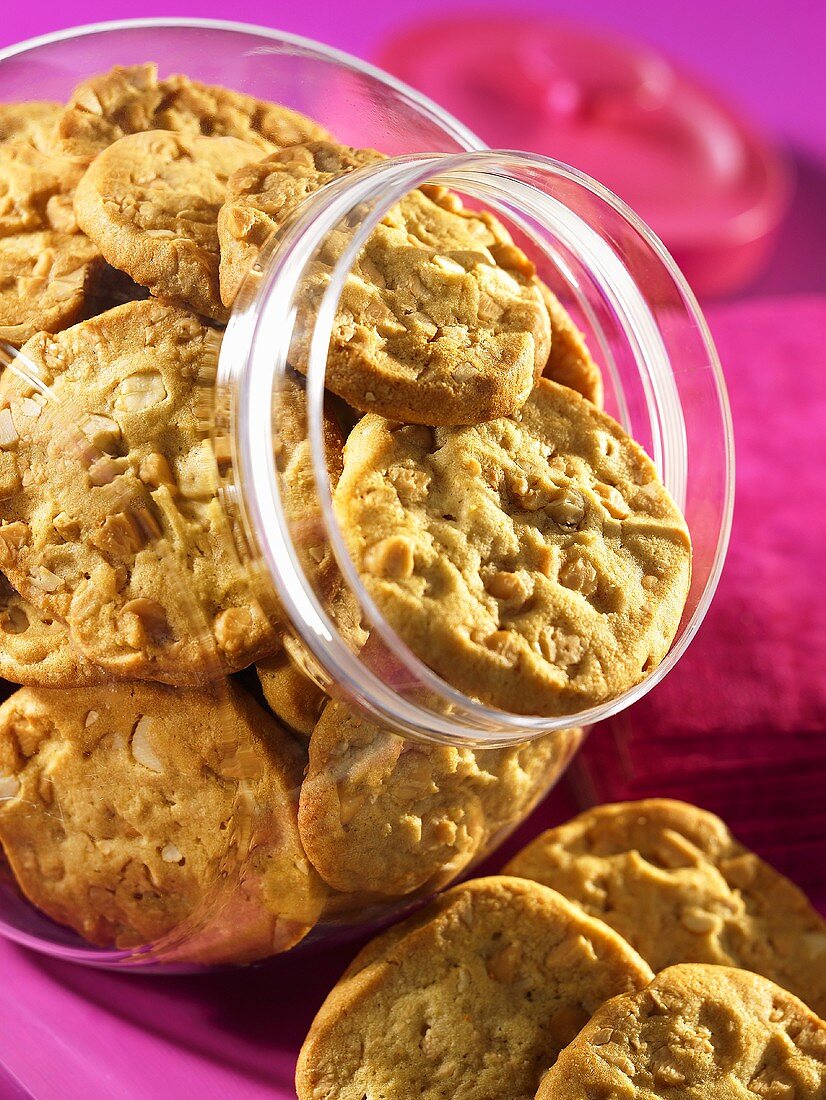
(738, 726)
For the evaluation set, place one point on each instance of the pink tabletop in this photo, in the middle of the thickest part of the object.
(738, 727)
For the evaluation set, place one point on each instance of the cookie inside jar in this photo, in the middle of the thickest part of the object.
(189, 772)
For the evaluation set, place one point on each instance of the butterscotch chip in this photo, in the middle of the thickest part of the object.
(672, 879)
(570, 363)
(146, 575)
(185, 784)
(132, 99)
(150, 202)
(440, 320)
(382, 814)
(526, 589)
(472, 997)
(699, 1032)
(47, 281)
(37, 649)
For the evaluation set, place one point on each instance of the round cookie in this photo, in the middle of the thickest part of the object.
(472, 997)
(570, 363)
(440, 320)
(110, 517)
(29, 122)
(48, 280)
(261, 196)
(35, 190)
(37, 649)
(150, 202)
(535, 562)
(383, 814)
(696, 1033)
(291, 695)
(673, 881)
(192, 818)
(128, 100)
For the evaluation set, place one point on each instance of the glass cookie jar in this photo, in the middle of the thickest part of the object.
(222, 749)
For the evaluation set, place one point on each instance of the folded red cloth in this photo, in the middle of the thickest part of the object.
(739, 726)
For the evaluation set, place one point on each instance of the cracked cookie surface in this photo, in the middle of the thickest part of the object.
(697, 1032)
(186, 783)
(535, 562)
(127, 100)
(384, 814)
(150, 202)
(111, 519)
(37, 649)
(472, 997)
(673, 881)
(440, 320)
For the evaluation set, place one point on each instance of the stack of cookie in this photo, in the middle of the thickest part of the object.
(521, 987)
(516, 538)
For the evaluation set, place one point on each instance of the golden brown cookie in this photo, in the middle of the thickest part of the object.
(150, 202)
(570, 363)
(472, 997)
(440, 320)
(535, 562)
(48, 280)
(291, 695)
(696, 1033)
(37, 649)
(187, 786)
(384, 814)
(128, 100)
(673, 881)
(35, 190)
(29, 122)
(261, 196)
(110, 517)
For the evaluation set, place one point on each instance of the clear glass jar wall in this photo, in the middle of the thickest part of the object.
(157, 806)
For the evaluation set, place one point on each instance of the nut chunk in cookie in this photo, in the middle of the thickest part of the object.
(472, 997)
(150, 202)
(535, 562)
(441, 320)
(110, 517)
(697, 1032)
(382, 814)
(132, 99)
(672, 879)
(128, 812)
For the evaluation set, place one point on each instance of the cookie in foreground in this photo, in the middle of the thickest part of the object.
(133, 812)
(673, 881)
(535, 562)
(474, 996)
(697, 1032)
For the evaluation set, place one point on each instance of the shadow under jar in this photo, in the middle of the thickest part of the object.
(182, 811)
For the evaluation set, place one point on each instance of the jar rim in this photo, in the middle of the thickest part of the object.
(470, 721)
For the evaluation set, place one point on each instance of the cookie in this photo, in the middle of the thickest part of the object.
(35, 190)
(110, 517)
(261, 196)
(132, 99)
(192, 817)
(570, 363)
(291, 695)
(384, 814)
(440, 320)
(696, 1033)
(675, 883)
(534, 562)
(37, 649)
(150, 202)
(48, 280)
(30, 122)
(472, 997)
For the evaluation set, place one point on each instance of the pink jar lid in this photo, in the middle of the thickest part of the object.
(680, 156)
